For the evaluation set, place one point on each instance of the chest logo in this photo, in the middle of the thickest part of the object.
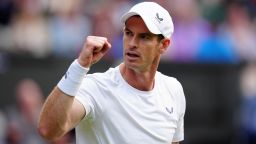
(169, 110)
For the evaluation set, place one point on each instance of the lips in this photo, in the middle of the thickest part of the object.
(132, 54)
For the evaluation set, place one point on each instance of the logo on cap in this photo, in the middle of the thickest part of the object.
(158, 18)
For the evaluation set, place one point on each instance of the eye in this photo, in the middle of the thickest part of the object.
(128, 33)
(145, 36)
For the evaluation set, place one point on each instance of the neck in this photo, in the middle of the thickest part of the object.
(140, 80)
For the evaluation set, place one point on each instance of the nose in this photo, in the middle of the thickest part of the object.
(133, 43)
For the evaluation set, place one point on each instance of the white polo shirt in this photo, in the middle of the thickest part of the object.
(117, 113)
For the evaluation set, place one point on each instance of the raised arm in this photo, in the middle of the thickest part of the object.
(61, 112)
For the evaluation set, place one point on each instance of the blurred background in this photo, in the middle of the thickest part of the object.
(213, 55)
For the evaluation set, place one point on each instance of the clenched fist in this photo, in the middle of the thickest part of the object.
(93, 50)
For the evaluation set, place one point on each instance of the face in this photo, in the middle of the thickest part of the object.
(142, 49)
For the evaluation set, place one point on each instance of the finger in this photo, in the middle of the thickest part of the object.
(106, 47)
(101, 45)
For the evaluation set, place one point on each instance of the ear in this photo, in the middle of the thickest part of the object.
(164, 45)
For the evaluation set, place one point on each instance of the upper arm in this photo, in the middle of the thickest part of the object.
(60, 114)
(77, 112)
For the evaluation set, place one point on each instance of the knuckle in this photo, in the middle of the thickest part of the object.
(88, 39)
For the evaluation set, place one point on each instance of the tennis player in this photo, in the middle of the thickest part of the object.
(132, 103)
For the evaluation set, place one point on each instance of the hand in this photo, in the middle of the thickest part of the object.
(93, 50)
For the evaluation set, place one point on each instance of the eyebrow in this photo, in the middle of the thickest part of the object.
(126, 29)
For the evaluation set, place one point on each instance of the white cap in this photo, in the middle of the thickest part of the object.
(156, 18)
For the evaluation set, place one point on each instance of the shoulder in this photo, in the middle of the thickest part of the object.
(105, 78)
(168, 80)
(173, 86)
(110, 74)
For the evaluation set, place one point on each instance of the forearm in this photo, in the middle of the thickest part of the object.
(54, 120)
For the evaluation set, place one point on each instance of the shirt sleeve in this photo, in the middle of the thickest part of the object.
(86, 96)
(179, 133)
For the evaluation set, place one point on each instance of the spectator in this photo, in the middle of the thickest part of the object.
(68, 28)
(189, 23)
(216, 48)
(119, 8)
(22, 119)
(29, 31)
(248, 110)
(241, 30)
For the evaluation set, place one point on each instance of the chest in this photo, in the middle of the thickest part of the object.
(141, 116)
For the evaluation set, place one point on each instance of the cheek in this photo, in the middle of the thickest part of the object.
(125, 42)
(151, 49)
(151, 53)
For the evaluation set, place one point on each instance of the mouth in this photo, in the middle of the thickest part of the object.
(132, 54)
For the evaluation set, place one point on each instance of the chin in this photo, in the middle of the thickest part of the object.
(131, 65)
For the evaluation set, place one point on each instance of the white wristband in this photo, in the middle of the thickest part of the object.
(70, 82)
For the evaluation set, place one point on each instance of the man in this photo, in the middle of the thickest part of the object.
(129, 104)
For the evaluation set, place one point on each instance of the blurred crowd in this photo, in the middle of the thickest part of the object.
(18, 123)
(206, 31)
